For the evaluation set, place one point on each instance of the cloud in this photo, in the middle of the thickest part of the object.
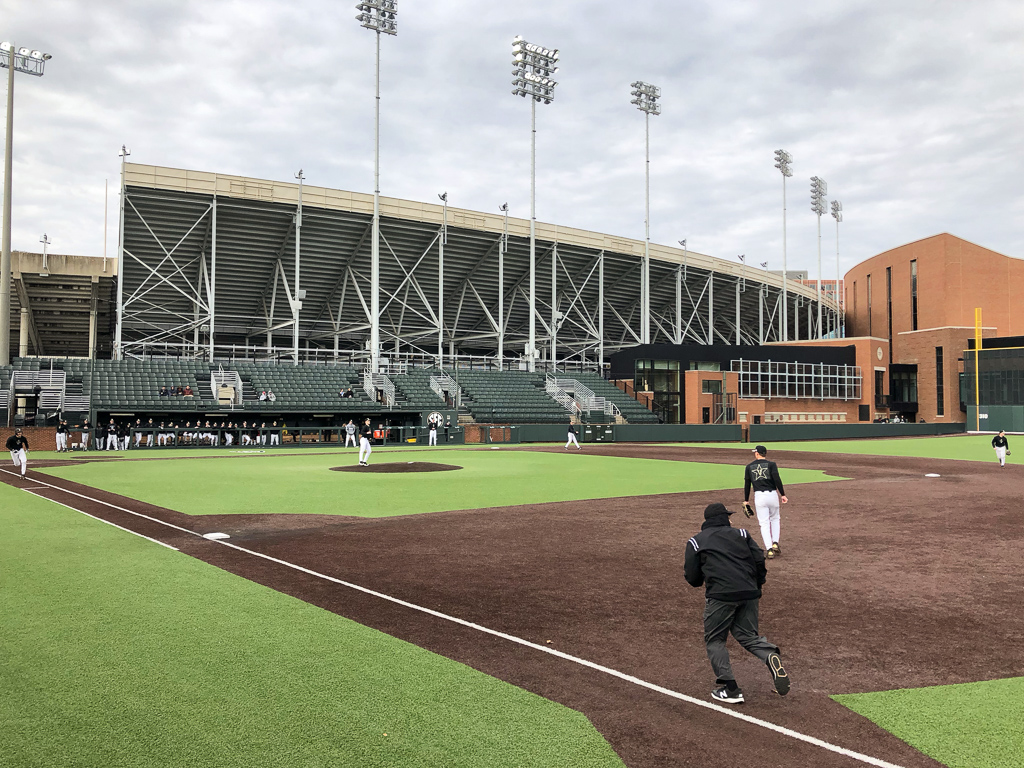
(909, 111)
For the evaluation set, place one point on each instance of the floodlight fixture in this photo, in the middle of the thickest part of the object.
(30, 62)
(645, 97)
(379, 15)
(784, 162)
(533, 66)
(819, 189)
(837, 211)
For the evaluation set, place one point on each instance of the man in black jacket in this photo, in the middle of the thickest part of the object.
(730, 566)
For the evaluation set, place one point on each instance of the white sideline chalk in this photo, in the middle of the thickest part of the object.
(932, 474)
(215, 536)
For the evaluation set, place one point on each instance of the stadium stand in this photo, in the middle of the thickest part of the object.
(77, 385)
(513, 397)
(632, 411)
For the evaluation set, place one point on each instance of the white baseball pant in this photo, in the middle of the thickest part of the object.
(766, 503)
(365, 449)
(1001, 455)
(572, 440)
(20, 460)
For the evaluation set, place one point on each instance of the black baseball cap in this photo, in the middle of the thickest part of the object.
(715, 510)
(761, 449)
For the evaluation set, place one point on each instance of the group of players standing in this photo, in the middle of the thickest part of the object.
(119, 436)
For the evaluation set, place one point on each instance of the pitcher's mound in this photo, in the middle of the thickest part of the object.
(399, 466)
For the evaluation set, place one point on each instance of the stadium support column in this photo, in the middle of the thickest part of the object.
(760, 315)
(297, 298)
(212, 288)
(440, 280)
(711, 307)
(5, 253)
(737, 313)
(502, 246)
(600, 312)
(23, 333)
(118, 351)
(679, 305)
(94, 300)
(554, 308)
(531, 352)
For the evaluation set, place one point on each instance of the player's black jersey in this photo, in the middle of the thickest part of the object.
(1000, 441)
(62, 428)
(572, 429)
(16, 442)
(762, 475)
(366, 431)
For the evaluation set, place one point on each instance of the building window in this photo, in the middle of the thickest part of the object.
(888, 307)
(940, 404)
(913, 295)
(819, 381)
(869, 305)
(711, 387)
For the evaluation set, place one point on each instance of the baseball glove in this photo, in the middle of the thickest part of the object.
(747, 509)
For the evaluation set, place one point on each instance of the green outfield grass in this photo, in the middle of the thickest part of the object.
(119, 652)
(965, 447)
(297, 483)
(962, 726)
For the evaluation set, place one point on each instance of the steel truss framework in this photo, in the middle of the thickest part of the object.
(213, 276)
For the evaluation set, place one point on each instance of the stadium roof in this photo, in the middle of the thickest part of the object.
(192, 236)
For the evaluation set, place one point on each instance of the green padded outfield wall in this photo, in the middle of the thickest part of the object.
(639, 433)
(678, 433)
(996, 417)
(765, 433)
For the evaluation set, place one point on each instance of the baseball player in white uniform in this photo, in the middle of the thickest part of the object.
(350, 434)
(62, 436)
(17, 444)
(763, 476)
(1002, 446)
(432, 432)
(572, 437)
(365, 449)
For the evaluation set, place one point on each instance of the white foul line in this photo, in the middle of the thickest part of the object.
(867, 759)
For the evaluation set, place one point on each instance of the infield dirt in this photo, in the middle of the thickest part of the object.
(887, 580)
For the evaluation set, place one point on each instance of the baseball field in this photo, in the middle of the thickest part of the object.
(523, 607)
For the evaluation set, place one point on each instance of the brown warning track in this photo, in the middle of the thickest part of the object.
(888, 580)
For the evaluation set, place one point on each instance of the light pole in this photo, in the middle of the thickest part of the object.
(645, 97)
(783, 161)
(531, 77)
(818, 191)
(502, 247)
(31, 63)
(45, 240)
(378, 16)
(837, 214)
(297, 298)
(440, 282)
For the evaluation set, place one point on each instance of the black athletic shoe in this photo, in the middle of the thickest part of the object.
(776, 549)
(722, 694)
(779, 676)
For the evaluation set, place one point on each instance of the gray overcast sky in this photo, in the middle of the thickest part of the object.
(911, 112)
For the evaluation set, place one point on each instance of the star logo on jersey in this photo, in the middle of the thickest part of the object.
(760, 472)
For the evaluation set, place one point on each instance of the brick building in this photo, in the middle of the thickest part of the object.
(921, 297)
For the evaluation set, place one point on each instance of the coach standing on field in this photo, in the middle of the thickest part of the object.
(730, 566)
(763, 476)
